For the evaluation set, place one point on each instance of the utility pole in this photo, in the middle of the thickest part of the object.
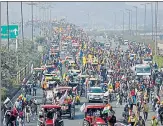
(8, 32)
(129, 28)
(115, 19)
(145, 6)
(0, 75)
(32, 19)
(123, 22)
(145, 23)
(152, 19)
(22, 24)
(32, 4)
(88, 19)
(131, 20)
(156, 21)
(136, 19)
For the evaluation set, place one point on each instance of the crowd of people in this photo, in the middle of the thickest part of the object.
(113, 68)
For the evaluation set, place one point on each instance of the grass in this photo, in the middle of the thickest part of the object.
(3, 93)
(158, 60)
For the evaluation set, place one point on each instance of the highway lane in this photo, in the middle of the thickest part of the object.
(79, 115)
(67, 122)
(119, 109)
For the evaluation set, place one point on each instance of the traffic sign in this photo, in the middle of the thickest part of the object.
(13, 31)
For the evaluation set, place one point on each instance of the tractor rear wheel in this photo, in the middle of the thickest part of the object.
(86, 123)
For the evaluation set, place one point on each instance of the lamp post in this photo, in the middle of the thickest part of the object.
(136, 19)
(115, 20)
(32, 4)
(156, 25)
(22, 24)
(0, 75)
(129, 12)
(123, 22)
(145, 11)
(152, 18)
(8, 38)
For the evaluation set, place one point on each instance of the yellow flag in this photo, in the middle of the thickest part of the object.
(85, 46)
(84, 60)
(64, 75)
(60, 30)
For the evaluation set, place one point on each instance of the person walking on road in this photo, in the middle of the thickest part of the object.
(33, 110)
(27, 113)
(145, 110)
(154, 121)
(34, 89)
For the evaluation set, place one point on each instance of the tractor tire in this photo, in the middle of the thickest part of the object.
(86, 123)
(61, 123)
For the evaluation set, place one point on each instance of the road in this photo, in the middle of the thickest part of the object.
(79, 115)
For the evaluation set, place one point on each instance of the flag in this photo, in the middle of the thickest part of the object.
(16, 45)
(158, 97)
(6, 101)
(61, 100)
(57, 86)
(106, 109)
(82, 108)
(123, 77)
(43, 77)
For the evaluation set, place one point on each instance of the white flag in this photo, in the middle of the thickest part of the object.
(16, 46)
(6, 101)
(61, 100)
(123, 77)
(57, 86)
(82, 108)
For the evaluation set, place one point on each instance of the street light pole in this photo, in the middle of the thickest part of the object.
(156, 21)
(152, 19)
(8, 38)
(145, 5)
(123, 22)
(22, 24)
(0, 75)
(32, 19)
(129, 22)
(115, 20)
(32, 4)
(136, 19)
(131, 19)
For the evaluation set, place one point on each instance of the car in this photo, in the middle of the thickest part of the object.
(95, 94)
(107, 45)
(126, 42)
(74, 71)
(132, 56)
(147, 60)
(49, 116)
(91, 119)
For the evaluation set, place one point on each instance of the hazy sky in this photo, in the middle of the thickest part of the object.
(79, 13)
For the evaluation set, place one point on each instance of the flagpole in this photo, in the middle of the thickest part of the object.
(16, 48)
(0, 74)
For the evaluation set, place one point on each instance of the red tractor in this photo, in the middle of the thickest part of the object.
(50, 115)
(94, 116)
